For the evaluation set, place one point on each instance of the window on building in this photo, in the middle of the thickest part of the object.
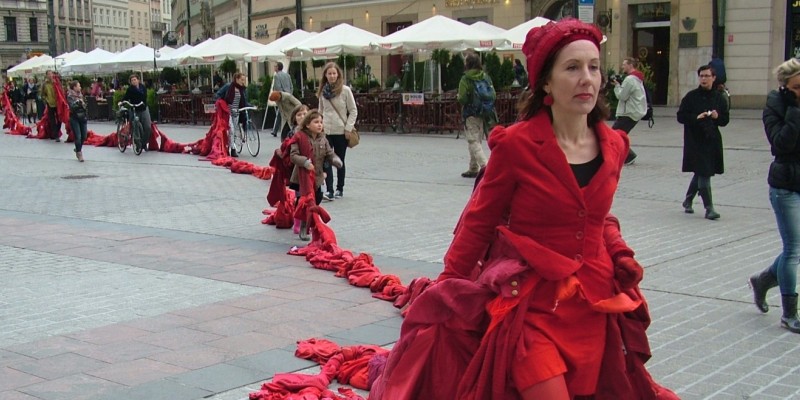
(80, 9)
(62, 36)
(73, 40)
(131, 20)
(34, 24)
(11, 28)
(94, 14)
(61, 8)
(85, 9)
(71, 6)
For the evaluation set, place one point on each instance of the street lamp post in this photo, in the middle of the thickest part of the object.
(56, 63)
(157, 83)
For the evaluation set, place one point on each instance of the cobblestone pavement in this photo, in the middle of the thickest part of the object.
(151, 277)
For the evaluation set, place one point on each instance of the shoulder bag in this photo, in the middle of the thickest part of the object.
(354, 136)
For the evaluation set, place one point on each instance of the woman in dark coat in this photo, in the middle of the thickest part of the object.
(782, 124)
(702, 112)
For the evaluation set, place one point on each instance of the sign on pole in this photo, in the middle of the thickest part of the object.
(586, 11)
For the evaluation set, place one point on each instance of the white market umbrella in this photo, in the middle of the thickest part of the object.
(488, 28)
(440, 32)
(89, 62)
(516, 36)
(139, 57)
(56, 63)
(216, 51)
(272, 50)
(342, 38)
(172, 59)
(26, 67)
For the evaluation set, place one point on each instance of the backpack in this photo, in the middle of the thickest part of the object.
(482, 104)
(648, 115)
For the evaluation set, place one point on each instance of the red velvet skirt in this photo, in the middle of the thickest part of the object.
(568, 340)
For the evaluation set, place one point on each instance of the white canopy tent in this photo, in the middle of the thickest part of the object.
(439, 32)
(342, 38)
(171, 59)
(139, 57)
(217, 50)
(26, 67)
(89, 62)
(272, 51)
(488, 28)
(515, 36)
(55, 63)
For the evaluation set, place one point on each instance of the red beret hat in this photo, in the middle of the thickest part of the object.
(544, 41)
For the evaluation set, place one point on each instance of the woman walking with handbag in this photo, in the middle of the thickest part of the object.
(338, 108)
(77, 116)
(782, 124)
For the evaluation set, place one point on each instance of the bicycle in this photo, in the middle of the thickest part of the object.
(251, 136)
(19, 110)
(129, 132)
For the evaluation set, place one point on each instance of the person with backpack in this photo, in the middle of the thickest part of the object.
(476, 95)
(632, 104)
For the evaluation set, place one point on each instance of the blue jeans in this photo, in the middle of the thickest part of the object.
(786, 205)
(79, 129)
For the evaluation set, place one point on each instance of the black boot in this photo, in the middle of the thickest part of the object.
(687, 204)
(761, 283)
(789, 319)
(690, 193)
(708, 203)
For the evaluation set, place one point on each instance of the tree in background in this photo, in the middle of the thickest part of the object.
(228, 67)
(506, 76)
(454, 71)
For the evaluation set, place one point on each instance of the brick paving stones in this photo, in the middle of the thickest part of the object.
(154, 278)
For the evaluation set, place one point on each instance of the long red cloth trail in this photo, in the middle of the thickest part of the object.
(12, 122)
(213, 146)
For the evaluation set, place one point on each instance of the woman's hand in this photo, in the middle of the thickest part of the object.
(347, 135)
(627, 272)
(788, 96)
(310, 166)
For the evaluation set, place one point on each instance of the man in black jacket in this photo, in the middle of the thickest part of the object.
(702, 112)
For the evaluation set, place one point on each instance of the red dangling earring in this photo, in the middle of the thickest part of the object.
(548, 100)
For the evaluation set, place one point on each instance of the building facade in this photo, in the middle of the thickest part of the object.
(139, 23)
(71, 26)
(111, 25)
(24, 33)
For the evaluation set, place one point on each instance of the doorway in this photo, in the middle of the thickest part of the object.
(651, 46)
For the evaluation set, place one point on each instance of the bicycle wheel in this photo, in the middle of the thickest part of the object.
(253, 139)
(238, 139)
(122, 137)
(136, 128)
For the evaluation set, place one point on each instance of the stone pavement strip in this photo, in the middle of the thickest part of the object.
(151, 277)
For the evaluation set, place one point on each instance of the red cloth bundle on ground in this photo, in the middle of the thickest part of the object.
(283, 214)
(170, 146)
(349, 365)
(42, 127)
(109, 140)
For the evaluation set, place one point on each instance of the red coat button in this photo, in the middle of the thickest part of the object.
(579, 235)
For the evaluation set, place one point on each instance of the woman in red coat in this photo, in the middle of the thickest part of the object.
(539, 296)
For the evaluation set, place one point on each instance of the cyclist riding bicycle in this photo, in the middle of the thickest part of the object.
(136, 94)
(235, 95)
